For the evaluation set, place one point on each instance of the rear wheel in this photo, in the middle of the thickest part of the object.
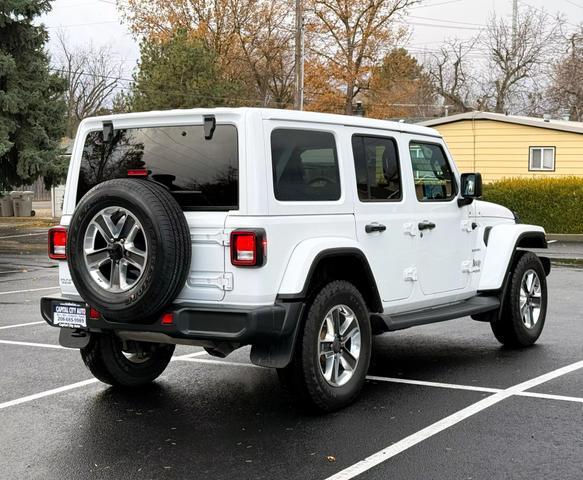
(332, 354)
(125, 363)
(525, 306)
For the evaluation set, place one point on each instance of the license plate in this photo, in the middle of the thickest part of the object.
(73, 315)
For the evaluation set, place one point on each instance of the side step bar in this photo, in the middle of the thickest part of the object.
(474, 305)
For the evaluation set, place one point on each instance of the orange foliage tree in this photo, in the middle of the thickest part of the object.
(399, 87)
(252, 39)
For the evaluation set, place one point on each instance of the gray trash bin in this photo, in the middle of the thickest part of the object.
(22, 204)
(6, 209)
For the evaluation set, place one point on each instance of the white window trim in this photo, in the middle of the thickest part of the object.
(542, 168)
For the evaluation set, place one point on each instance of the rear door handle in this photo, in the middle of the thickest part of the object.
(375, 227)
(425, 225)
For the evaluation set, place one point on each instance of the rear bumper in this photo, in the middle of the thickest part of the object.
(270, 329)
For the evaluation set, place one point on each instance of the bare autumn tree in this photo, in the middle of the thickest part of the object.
(518, 59)
(252, 39)
(566, 89)
(266, 42)
(350, 36)
(452, 74)
(93, 77)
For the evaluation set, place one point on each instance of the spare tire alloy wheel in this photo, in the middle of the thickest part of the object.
(129, 249)
(116, 249)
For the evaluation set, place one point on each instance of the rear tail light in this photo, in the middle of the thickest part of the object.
(138, 172)
(248, 248)
(94, 314)
(167, 318)
(58, 243)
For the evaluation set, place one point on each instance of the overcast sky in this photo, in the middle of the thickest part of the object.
(432, 22)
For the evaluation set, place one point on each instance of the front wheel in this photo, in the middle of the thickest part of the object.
(525, 306)
(125, 363)
(333, 350)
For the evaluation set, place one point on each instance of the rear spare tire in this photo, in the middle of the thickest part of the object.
(128, 249)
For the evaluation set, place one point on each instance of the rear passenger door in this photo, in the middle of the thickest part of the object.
(381, 214)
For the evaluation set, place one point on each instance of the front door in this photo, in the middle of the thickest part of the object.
(381, 211)
(444, 228)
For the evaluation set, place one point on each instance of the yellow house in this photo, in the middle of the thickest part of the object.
(501, 146)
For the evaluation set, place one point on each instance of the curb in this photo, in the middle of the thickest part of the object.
(566, 237)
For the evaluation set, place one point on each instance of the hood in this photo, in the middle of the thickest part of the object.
(487, 209)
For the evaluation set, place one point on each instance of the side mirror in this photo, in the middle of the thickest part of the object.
(471, 187)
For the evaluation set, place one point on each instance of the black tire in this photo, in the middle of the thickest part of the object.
(104, 357)
(510, 329)
(169, 249)
(303, 377)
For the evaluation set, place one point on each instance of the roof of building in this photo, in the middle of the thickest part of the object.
(562, 125)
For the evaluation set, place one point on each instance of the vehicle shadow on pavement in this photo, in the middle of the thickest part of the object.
(472, 360)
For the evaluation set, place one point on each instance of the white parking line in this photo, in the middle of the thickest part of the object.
(21, 325)
(500, 394)
(447, 422)
(29, 290)
(47, 393)
(65, 388)
(217, 362)
(550, 396)
(30, 344)
(24, 235)
(433, 384)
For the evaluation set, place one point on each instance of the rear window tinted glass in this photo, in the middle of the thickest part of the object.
(305, 165)
(201, 174)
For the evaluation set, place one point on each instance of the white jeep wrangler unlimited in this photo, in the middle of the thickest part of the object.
(300, 234)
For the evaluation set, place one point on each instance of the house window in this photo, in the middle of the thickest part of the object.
(542, 158)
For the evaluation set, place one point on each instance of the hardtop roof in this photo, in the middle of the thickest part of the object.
(273, 114)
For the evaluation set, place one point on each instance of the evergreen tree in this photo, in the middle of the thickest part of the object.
(180, 72)
(32, 109)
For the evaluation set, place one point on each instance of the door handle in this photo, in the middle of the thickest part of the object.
(375, 227)
(425, 225)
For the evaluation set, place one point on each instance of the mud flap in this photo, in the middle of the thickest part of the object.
(278, 353)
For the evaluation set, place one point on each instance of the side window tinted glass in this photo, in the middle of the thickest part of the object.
(434, 179)
(305, 165)
(377, 168)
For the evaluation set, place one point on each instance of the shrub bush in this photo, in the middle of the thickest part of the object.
(554, 203)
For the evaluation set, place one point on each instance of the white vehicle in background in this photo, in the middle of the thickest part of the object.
(300, 234)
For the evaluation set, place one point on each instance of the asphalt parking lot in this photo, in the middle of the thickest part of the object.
(442, 401)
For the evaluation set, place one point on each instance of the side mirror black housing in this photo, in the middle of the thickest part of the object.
(471, 187)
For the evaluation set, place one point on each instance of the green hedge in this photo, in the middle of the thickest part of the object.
(554, 203)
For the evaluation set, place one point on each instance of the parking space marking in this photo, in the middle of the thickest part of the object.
(29, 290)
(218, 362)
(25, 235)
(549, 396)
(47, 393)
(424, 383)
(30, 344)
(65, 388)
(190, 357)
(447, 422)
(21, 325)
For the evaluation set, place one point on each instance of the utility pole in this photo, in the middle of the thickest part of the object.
(299, 57)
(514, 21)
